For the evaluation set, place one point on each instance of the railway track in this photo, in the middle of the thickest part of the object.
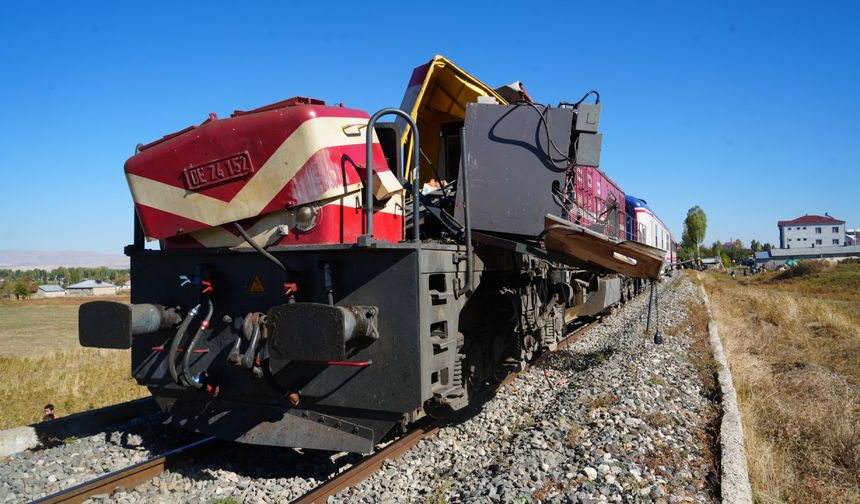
(127, 477)
(372, 463)
(147, 470)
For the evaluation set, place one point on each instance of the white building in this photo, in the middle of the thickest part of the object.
(811, 231)
(775, 258)
(49, 291)
(91, 288)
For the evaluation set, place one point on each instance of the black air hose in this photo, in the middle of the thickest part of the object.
(248, 358)
(174, 345)
(186, 359)
(260, 249)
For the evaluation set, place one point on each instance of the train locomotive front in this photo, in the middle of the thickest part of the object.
(302, 298)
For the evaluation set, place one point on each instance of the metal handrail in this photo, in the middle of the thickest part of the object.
(467, 219)
(367, 238)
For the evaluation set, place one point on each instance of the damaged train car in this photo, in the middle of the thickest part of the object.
(323, 277)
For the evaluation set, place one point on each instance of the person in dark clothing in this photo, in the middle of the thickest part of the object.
(49, 413)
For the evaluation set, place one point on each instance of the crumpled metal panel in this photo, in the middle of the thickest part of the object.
(630, 258)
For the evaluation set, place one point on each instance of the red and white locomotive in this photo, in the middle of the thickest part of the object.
(312, 291)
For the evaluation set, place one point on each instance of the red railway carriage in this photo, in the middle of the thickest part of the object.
(599, 200)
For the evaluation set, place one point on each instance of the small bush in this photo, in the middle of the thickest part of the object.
(573, 435)
(658, 419)
(656, 380)
(223, 500)
(439, 493)
(549, 489)
(803, 269)
(602, 401)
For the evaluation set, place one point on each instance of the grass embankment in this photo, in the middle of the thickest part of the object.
(41, 362)
(793, 344)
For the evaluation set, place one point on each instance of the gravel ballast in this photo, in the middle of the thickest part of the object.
(613, 418)
(64, 463)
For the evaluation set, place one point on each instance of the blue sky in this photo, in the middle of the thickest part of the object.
(750, 111)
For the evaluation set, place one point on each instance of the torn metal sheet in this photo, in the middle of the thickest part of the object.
(437, 95)
(630, 258)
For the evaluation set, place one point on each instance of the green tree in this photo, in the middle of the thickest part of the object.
(738, 251)
(695, 226)
(687, 252)
(21, 290)
(120, 278)
(755, 246)
(6, 288)
(716, 249)
(61, 275)
(75, 275)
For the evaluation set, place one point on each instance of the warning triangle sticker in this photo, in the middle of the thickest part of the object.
(256, 285)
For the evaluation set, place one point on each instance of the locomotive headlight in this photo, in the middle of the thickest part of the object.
(306, 217)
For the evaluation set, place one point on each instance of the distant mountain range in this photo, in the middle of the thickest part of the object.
(50, 259)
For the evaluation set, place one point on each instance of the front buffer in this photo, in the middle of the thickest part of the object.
(324, 357)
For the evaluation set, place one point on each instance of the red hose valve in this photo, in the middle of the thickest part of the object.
(290, 288)
(207, 287)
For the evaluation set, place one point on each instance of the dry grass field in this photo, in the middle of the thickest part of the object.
(41, 362)
(793, 343)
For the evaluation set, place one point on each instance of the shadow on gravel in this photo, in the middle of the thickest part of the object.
(250, 461)
(129, 416)
(146, 433)
(565, 360)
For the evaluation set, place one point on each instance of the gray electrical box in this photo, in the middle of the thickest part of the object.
(587, 117)
(512, 169)
(587, 149)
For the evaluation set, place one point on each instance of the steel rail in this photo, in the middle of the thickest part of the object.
(373, 462)
(129, 477)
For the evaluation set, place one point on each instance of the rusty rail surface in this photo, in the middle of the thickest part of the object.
(372, 463)
(129, 477)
